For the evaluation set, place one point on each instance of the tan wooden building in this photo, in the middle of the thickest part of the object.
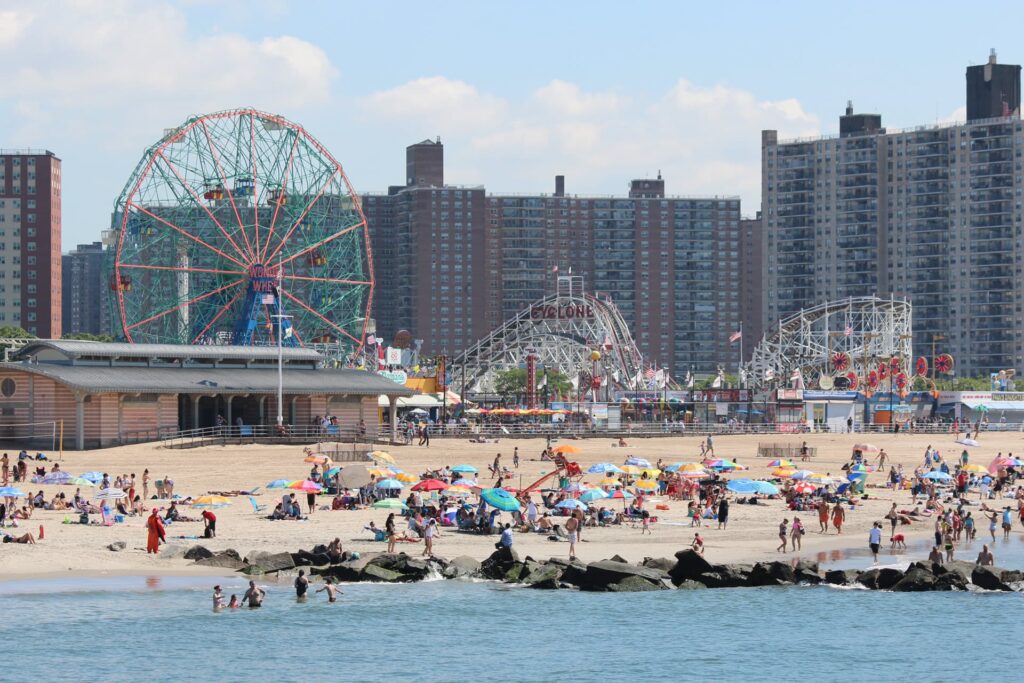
(107, 394)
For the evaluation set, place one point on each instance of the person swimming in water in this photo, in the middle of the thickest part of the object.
(218, 599)
(332, 590)
(254, 596)
(301, 585)
(234, 604)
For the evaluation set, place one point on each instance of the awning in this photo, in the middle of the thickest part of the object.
(994, 406)
(418, 401)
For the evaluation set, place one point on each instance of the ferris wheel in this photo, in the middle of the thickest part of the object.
(238, 228)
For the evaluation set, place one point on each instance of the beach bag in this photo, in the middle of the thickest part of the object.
(83, 518)
(207, 533)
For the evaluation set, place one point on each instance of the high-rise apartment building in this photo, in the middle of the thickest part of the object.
(752, 290)
(30, 258)
(932, 213)
(452, 263)
(85, 291)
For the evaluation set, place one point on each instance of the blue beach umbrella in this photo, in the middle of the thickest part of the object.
(333, 471)
(465, 468)
(573, 504)
(602, 467)
(766, 488)
(937, 476)
(501, 499)
(638, 462)
(742, 486)
(592, 495)
(94, 477)
(57, 478)
(389, 484)
(279, 484)
(11, 492)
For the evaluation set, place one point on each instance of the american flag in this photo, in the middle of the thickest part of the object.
(848, 331)
(649, 374)
(735, 336)
(268, 299)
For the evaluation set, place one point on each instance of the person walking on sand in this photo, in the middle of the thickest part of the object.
(428, 538)
(572, 526)
(822, 516)
(515, 457)
(838, 517)
(894, 519)
(723, 513)
(875, 540)
(332, 590)
(783, 536)
(795, 534)
(157, 535)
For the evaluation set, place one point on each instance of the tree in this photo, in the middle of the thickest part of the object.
(12, 332)
(511, 384)
(88, 336)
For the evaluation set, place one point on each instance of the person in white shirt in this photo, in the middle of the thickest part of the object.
(875, 539)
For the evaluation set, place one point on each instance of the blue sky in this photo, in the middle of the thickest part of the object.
(600, 91)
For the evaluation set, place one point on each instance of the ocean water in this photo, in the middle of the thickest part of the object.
(163, 628)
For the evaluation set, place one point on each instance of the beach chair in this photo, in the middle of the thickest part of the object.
(256, 507)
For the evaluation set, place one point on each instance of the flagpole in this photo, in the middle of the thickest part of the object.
(739, 366)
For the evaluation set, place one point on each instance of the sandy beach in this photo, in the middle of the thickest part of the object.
(751, 535)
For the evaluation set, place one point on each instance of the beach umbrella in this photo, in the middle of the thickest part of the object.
(632, 469)
(111, 494)
(646, 484)
(824, 480)
(861, 468)
(592, 495)
(381, 456)
(575, 487)
(430, 485)
(566, 449)
(609, 481)
(11, 492)
(94, 477)
(389, 484)
(317, 459)
(390, 504)
(58, 477)
(783, 472)
(766, 488)
(380, 472)
(211, 501)
(802, 474)
(463, 469)
(619, 494)
(405, 478)
(805, 487)
(975, 468)
(501, 499)
(674, 466)
(456, 490)
(982, 408)
(865, 447)
(937, 475)
(639, 462)
(279, 484)
(604, 468)
(78, 481)
(571, 503)
(741, 486)
(781, 462)
(332, 472)
(306, 485)
(968, 442)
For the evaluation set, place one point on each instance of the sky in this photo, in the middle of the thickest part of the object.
(601, 92)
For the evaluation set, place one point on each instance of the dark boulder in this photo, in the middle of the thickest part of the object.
(544, 573)
(600, 576)
(224, 560)
(725, 576)
(573, 572)
(989, 578)
(198, 552)
(617, 558)
(841, 577)
(304, 558)
(950, 581)
(689, 585)
(883, 578)
(689, 565)
(1011, 576)
(271, 562)
(373, 572)
(499, 563)
(636, 584)
(662, 563)
(807, 572)
(350, 571)
(917, 579)
(771, 574)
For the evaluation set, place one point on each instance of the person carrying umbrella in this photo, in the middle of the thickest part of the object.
(155, 525)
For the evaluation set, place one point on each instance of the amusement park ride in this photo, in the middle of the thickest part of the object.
(857, 344)
(228, 220)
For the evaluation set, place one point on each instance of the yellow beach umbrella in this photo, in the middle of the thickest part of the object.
(211, 500)
(381, 456)
(609, 481)
(975, 468)
(648, 484)
(783, 471)
(632, 469)
(380, 472)
(405, 477)
(651, 471)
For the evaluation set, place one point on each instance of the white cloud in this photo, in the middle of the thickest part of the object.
(566, 99)
(142, 57)
(442, 105)
(704, 140)
(12, 26)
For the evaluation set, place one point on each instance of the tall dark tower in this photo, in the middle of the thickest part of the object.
(424, 164)
(993, 90)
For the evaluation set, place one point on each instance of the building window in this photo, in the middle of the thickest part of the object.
(8, 387)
